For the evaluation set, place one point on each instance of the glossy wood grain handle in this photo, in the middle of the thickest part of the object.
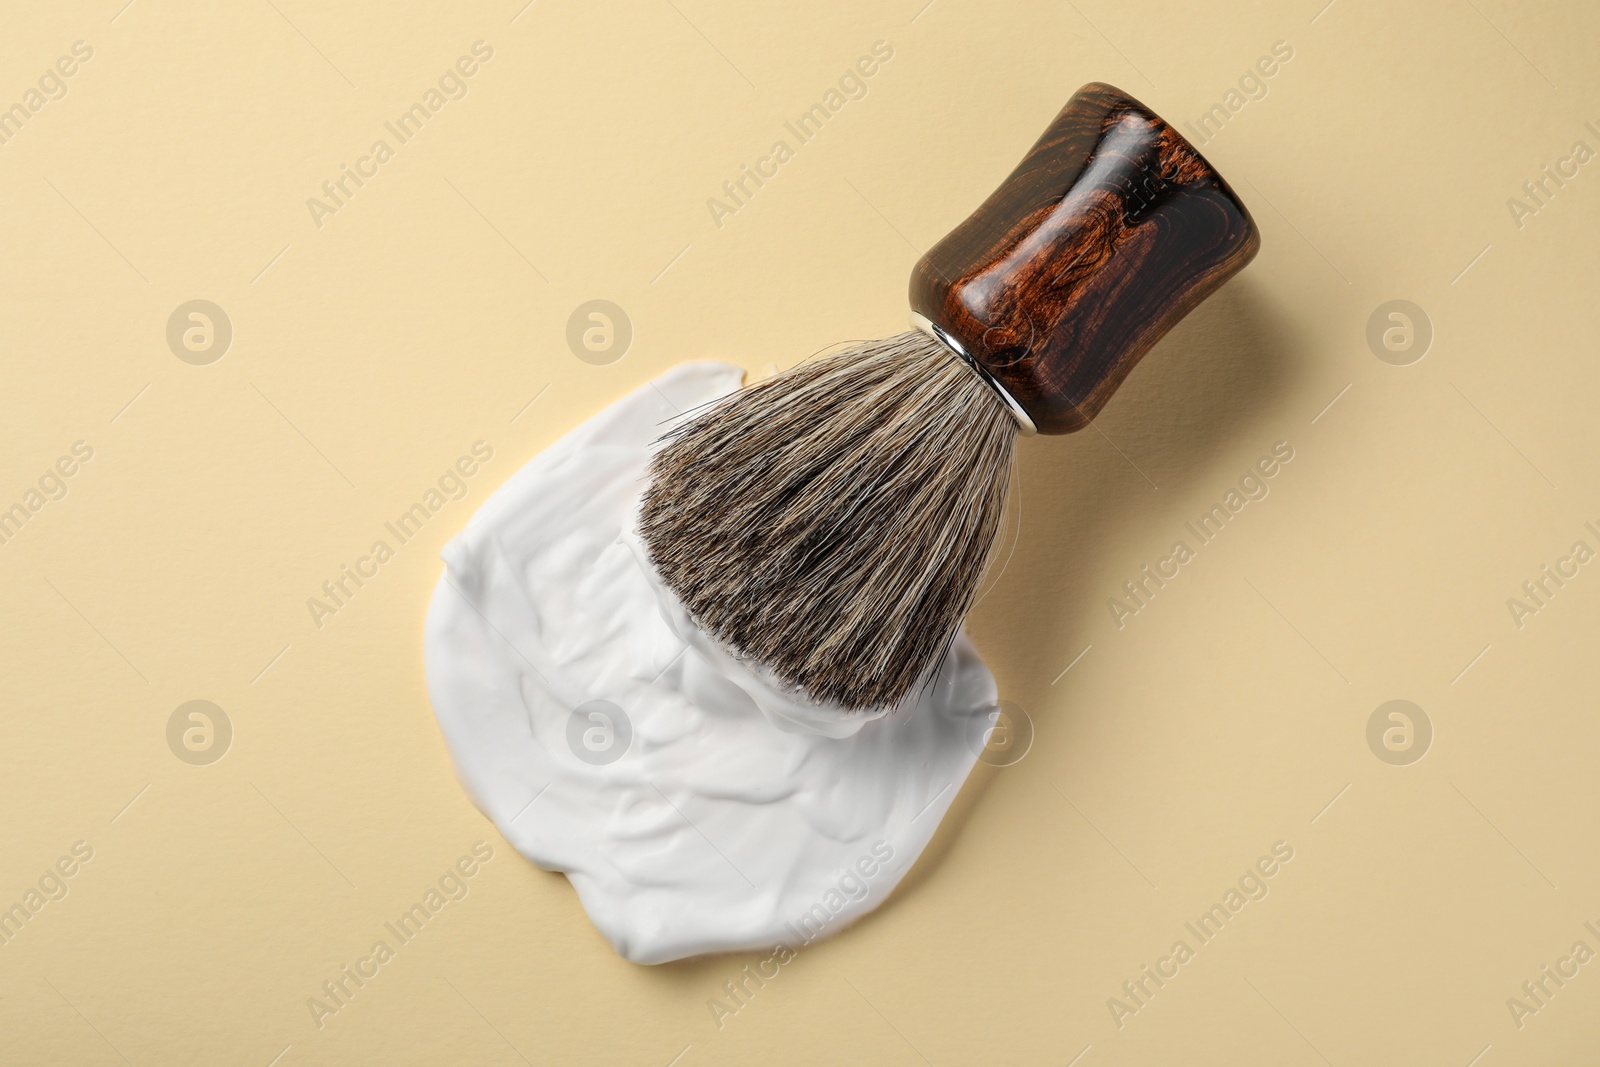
(1108, 232)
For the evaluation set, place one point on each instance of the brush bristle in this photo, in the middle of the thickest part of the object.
(833, 523)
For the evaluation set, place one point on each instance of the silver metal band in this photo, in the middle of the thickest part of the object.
(932, 329)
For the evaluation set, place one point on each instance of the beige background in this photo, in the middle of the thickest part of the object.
(1228, 714)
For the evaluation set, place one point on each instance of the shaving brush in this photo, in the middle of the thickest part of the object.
(831, 525)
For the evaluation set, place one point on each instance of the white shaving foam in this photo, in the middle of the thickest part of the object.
(694, 807)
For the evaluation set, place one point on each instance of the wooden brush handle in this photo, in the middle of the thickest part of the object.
(1108, 232)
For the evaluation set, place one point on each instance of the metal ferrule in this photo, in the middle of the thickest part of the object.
(934, 330)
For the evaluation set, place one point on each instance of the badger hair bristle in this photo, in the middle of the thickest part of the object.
(833, 522)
